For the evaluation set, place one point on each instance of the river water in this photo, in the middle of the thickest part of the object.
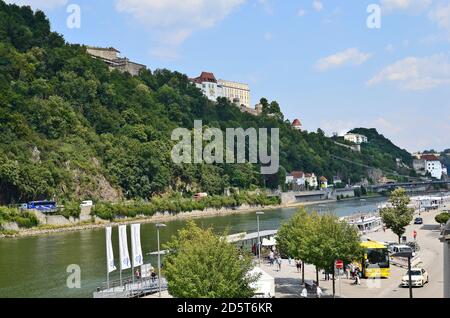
(37, 266)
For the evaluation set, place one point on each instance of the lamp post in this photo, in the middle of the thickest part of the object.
(409, 256)
(446, 240)
(159, 226)
(259, 239)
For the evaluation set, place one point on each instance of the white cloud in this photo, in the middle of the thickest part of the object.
(339, 126)
(165, 53)
(317, 5)
(173, 21)
(413, 73)
(301, 13)
(39, 4)
(415, 6)
(266, 6)
(268, 36)
(441, 15)
(350, 56)
(389, 48)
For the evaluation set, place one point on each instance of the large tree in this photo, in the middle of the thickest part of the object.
(319, 240)
(397, 215)
(204, 265)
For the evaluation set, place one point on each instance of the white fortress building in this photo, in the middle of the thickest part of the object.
(237, 93)
(356, 138)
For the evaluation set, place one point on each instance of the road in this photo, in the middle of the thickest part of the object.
(288, 279)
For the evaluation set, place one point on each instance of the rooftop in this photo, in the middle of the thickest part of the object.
(429, 158)
(205, 77)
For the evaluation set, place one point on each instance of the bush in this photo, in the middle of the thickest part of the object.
(71, 209)
(442, 218)
(177, 204)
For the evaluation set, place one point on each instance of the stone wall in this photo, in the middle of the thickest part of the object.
(303, 196)
(343, 192)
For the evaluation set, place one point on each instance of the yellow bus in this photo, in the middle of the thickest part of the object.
(376, 260)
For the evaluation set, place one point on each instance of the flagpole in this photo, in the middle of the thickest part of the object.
(132, 255)
(107, 261)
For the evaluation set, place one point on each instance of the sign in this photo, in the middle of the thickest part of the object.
(339, 264)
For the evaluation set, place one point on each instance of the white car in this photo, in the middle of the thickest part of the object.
(86, 203)
(419, 277)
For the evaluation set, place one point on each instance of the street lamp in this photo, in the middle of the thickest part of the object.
(409, 256)
(446, 240)
(259, 240)
(159, 226)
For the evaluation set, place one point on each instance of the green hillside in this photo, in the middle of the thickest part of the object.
(71, 129)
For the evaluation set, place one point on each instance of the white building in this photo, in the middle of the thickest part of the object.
(356, 138)
(208, 84)
(311, 179)
(297, 178)
(237, 93)
(433, 165)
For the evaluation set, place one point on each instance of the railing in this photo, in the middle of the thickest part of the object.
(127, 288)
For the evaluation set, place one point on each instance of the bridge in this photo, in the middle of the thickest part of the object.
(406, 185)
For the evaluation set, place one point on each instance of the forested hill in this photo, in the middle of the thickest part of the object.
(379, 145)
(71, 129)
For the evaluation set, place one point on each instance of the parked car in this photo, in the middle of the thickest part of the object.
(86, 203)
(400, 249)
(418, 221)
(419, 277)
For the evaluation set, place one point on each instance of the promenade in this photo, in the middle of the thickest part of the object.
(288, 279)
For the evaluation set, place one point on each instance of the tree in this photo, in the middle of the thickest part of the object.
(292, 237)
(397, 216)
(334, 240)
(204, 265)
(442, 218)
(319, 240)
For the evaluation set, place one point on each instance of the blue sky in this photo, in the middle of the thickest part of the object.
(318, 59)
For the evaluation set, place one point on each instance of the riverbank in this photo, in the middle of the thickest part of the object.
(157, 218)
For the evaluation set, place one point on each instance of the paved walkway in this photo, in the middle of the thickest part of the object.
(288, 279)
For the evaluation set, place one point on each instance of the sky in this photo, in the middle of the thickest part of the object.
(320, 59)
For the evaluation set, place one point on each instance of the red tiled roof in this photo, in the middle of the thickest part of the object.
(430, 158)
(297, 174)
(296, 123)
(205, 77)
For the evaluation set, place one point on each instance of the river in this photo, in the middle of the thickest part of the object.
(36, 266)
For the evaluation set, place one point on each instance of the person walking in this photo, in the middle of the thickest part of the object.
(299, 266)
(279, 261)
(415, 235)
(304, 293)
(271, 258)
(357, 278)
(319, 292)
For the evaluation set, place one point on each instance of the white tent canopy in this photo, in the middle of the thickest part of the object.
(265, 286)
(269, 243)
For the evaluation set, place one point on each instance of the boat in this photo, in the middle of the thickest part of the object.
(365, 222)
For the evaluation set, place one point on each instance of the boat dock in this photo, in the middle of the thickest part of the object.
(131, 289)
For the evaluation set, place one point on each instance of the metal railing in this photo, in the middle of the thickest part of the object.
(129, 288)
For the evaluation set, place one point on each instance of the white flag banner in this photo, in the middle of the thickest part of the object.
(136, 249)
(123, 248)
(109, 251)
